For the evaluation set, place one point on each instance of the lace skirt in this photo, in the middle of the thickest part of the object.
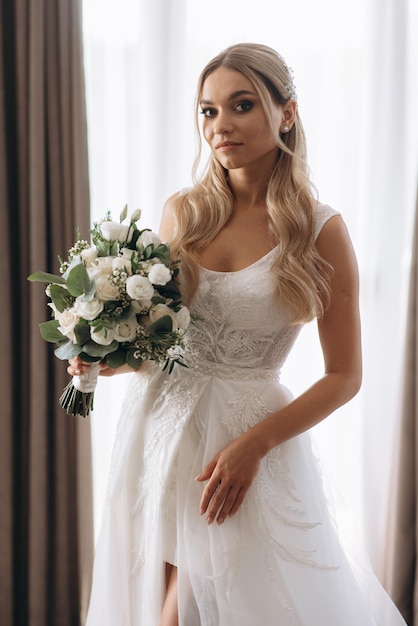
(277, 561)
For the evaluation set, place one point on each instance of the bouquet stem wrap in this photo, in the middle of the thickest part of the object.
(78, 395)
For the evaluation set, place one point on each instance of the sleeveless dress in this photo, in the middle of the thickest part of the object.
(278, 560)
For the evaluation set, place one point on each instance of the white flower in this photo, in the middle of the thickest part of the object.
(161, 310)
(123, 264)
(88, 310)
(139, 287)
(68, 320)
(148, 237)
(126, 330)
(135, 216)
(113, 231)
(127, 253)
(103, 337)
(103, 266)
(159, 274)
(106, 290)
(89, 255)
(183, 318)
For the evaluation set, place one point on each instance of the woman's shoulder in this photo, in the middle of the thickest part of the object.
(322, 213)
(168, 217)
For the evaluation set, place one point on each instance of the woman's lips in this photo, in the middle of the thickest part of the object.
(226, 146)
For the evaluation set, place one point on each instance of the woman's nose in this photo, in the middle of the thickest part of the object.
(223, 123)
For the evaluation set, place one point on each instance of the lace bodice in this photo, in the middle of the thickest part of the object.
(240, 323)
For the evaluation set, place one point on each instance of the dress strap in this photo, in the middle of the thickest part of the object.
(322, 214)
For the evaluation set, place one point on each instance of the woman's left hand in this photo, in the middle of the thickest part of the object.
(229, 475)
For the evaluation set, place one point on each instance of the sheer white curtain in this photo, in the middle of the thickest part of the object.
(353, 63)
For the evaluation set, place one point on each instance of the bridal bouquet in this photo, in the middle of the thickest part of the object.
(115, 300)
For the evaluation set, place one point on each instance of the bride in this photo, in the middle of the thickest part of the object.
(215, 513)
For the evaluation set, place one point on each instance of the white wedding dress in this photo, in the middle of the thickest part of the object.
(278, 561)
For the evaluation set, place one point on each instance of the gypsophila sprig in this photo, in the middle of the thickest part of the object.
(116, 300)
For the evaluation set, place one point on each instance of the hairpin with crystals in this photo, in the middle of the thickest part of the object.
(290, 86)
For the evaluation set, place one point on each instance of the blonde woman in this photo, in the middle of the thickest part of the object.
(215, 513)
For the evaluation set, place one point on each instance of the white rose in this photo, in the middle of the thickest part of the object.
(123, 264)
(68, 320)
(183, 318)
(139, 288)
(126, 330)
(160, 310)
(102, 266)
(159, 274)
(103, 337)
(88, 310)
(89, 255)
(106, 290)
(113, 231)
(147, 238)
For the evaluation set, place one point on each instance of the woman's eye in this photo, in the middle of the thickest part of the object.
(208, 112)
(244, 106)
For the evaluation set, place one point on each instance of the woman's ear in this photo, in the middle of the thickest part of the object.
(288, 114)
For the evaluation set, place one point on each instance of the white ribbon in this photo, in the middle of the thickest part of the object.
(87, 382)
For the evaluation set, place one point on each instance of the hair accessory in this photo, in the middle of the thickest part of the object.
(290, 86)
(285, 129)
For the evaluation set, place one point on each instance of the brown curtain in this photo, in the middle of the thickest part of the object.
(402, 575)
(46, 540)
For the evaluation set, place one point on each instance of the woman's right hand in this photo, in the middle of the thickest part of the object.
(78, 367)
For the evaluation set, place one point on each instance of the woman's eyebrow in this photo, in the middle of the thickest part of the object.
(235, 94)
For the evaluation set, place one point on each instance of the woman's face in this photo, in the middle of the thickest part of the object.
(235, 125)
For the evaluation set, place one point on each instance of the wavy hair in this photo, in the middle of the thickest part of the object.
(302, 276)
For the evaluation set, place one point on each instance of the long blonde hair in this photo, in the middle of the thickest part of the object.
(302, 276)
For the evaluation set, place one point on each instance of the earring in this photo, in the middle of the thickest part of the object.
(285, 129)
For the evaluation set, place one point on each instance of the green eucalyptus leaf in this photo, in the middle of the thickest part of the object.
(162, 326)
(158, 300)
(74, 262)
(82, 333)
(114, 249)
(61, 297)
(89, 295)
(67, 350)
(132, 361)
(89, 359)
(116, 359)
(135, 237)
(147, 253)
(49, 331)
(44, 277)
(94, 349)
(78, 280)
(170, 290)
(103, 248)
(162, 252)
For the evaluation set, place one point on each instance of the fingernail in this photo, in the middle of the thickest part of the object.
(209, 520)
